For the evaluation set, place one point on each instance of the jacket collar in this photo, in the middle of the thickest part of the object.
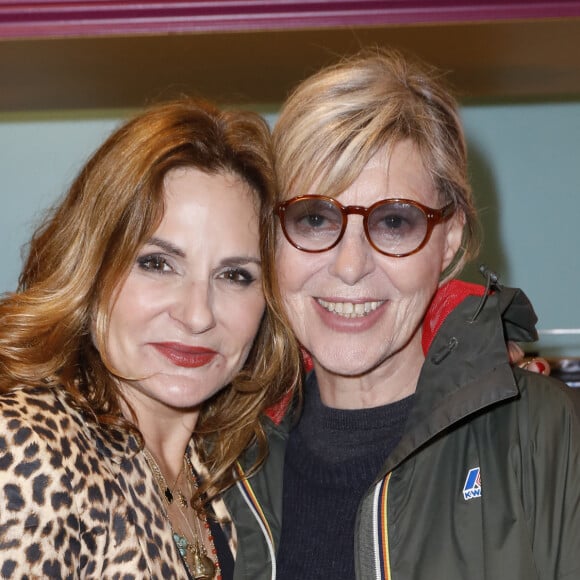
(467, 366)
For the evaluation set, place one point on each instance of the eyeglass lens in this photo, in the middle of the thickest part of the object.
(394, 227)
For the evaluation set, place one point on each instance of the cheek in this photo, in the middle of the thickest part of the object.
(295, 269)
(135, 311)
(292, 277)
(416, 283)
(284, 267)
(255, 312)
(243, 318)
(135, 304)
(418, 277)
(124, 313)
(423, 270)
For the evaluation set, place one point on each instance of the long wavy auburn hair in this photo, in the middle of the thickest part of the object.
(53, 329)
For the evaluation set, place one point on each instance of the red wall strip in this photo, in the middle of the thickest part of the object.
(43, 18)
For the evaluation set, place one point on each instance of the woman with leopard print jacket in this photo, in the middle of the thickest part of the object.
(139, 330)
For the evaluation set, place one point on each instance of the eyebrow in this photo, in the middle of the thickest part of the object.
(166, 247)
(176, 251)
(241, 261)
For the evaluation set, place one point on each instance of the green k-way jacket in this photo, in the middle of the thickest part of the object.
(485, 482)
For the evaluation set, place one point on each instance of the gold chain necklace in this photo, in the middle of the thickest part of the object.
(168, 492)
(195, 556)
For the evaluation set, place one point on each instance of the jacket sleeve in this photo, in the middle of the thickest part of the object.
(553, 477)
(39, 528)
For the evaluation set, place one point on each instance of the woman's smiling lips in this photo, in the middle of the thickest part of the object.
(182, 355)
(350, 309)
(349, 316)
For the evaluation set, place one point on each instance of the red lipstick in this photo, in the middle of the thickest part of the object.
(182, 355)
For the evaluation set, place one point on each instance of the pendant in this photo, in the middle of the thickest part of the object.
(202, 566)
(181, 499)
(181, 544)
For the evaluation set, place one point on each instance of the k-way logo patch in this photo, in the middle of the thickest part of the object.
(472, 486)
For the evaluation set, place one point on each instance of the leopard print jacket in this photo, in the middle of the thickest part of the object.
(76, 499)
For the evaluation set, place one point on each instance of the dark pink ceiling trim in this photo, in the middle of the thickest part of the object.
(105, 17)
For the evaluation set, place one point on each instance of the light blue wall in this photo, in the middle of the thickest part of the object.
(38, 159)
(525, 164)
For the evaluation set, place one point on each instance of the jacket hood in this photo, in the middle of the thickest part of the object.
(467, 366)
(518, 316)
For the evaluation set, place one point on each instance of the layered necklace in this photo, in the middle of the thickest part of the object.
(193, 550)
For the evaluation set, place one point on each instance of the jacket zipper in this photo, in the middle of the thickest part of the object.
(251, 500)
(380, 529)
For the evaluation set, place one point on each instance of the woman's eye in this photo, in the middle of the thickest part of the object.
(394, 222)
(238, 276)
(322, 219)
(313, 220)
(154, 263)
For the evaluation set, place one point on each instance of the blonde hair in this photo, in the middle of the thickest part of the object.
(336, 120)
(83, 251)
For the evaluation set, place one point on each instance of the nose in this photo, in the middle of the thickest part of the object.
(193, 308)
(353, 257)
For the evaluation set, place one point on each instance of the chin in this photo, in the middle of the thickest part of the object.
(351, 367)
(184, 394)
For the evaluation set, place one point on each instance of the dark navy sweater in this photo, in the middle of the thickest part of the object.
(333, 457)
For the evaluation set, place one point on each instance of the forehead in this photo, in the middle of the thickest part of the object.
(393, 171)
(195, 200)
(211, 185)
